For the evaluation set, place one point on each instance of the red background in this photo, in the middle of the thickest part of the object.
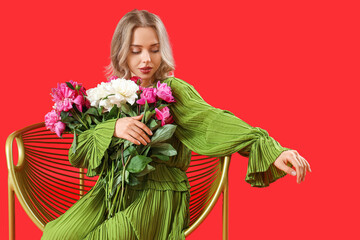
(290, 67)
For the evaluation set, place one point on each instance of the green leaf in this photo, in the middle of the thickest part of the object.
(116, 154)
(149, 114)
(161, 157)
(138, 163)
(125, 108)
(127, 143)
(146, 107)
(68, 120)
(70, 85)
(153, 124)
(163, 149)
(163, 133)
(116, 141)
(113, 113)
(95, 120)
(100, 110)
(133, 180)
(74, 145)
(162, 106)
(146, 170)
(131, 150)
(64, 115)
(127, 175)
(92, 111)
(88, 119)
(146, 151)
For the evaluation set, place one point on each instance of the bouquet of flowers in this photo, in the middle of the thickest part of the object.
(78, 111)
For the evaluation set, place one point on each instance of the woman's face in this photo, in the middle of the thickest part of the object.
(144, 57)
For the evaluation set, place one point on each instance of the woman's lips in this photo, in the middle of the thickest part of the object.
(146, 69)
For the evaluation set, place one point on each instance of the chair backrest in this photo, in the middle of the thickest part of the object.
(47, 185)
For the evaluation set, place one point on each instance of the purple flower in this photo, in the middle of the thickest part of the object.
(164, 92)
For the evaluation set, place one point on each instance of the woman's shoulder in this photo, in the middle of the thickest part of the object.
(176, 83)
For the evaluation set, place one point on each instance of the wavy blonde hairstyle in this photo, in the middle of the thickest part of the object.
(120, 44)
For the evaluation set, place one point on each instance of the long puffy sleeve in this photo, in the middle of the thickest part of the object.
(91, 147)
(212, 131)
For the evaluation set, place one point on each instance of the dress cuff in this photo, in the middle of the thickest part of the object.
(91, 147)
(261, 170)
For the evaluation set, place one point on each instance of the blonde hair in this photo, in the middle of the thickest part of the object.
(120, 44)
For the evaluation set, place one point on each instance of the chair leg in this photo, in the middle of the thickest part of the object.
(11, 210)
(225, 211)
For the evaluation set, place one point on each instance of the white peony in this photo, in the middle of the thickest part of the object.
(118, 91)
(124, 91)
(95, 95)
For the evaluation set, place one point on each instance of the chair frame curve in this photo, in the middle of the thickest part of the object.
(14, 189)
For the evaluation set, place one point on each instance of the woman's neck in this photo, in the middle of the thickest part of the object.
(148, 83)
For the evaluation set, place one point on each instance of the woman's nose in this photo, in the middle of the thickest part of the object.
(146, 56)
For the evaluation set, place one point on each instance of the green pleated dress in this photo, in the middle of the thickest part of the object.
(158, 208)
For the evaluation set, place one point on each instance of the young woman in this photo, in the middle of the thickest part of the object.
(158, 208)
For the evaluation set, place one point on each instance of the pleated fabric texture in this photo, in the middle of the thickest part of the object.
(215, 132)
(158, 208)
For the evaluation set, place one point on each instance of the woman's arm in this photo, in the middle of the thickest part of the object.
(91, 147)
(215, 132)
(92, 144)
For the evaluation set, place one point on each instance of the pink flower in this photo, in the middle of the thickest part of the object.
(80, 102)
(164, 115)
(135, 79)
(50, 119)
(52, 122)
(78, 86)
(164, 92)
(63, 97)
(59, 128)
(148, 94)
(79, 99)
(113, 77)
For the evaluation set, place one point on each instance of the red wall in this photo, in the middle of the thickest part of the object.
(289, 67)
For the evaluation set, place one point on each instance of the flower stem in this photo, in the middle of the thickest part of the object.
(122, 190)
(92, 189)
(123, 181)
(76, 115)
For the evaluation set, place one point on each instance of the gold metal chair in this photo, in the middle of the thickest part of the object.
(47, 185)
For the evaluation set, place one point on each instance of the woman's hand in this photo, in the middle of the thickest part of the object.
(300, 164)
(130, 128)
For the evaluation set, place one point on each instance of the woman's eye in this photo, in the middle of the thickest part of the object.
(135, 52)
(155, 51)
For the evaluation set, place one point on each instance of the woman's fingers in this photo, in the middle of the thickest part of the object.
(132, 139)
(295, 162)
(307, 164)
(138, 136)
(143, 127)
(282, 166)
(139, 129)
(302, 168)
(304, 162)
(132, 129)
(141, 133)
